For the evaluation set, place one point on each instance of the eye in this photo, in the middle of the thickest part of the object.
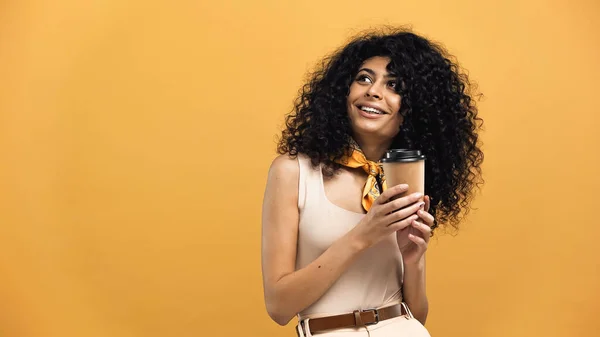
(392, 84)
(364, 79)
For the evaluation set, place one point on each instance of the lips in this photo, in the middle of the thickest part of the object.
(371, 108)
(370, 115)
(370, 111)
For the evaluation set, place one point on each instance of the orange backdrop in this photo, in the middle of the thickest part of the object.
(135, 138)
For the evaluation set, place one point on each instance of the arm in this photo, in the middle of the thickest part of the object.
(413, 255)
(414, 290)
(287, 291)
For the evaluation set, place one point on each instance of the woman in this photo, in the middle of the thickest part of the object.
(337, 246)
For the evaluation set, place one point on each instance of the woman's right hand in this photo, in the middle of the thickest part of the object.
(387, 215)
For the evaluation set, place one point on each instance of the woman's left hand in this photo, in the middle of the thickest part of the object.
(413, 240)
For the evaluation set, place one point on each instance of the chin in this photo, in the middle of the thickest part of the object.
(372, 132)
(377, 129)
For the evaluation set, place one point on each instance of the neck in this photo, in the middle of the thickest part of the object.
(373, 149)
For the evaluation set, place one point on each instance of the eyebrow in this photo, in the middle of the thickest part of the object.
(370, 71)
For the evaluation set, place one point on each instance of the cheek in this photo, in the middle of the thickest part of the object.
(396, 121)
(395, 103)
(393, 128)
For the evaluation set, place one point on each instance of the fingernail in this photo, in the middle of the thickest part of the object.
(421, 205)
(404, 186)
(418, 195)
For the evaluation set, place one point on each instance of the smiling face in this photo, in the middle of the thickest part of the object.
(373, 103)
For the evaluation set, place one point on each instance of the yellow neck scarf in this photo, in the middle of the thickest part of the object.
(371, 190)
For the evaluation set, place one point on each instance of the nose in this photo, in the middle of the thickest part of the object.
(374, 91)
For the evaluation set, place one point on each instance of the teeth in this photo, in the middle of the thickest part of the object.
(371, 110)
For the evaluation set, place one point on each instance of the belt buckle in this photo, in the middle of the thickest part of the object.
(376, 313)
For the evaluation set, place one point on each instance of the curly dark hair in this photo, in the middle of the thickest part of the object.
(440, 115)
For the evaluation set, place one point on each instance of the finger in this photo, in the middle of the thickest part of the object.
(398, 225)
(420, 242)
(423, 228)
(427, 203)
(404, 212)
(427, 217)
(402, 203)
(391, 192)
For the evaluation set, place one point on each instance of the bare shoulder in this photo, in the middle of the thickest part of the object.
(282, 184)
(284, 169)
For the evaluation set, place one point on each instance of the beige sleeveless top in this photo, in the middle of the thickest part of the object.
(373, 280)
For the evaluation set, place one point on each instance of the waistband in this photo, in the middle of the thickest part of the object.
(355, 319)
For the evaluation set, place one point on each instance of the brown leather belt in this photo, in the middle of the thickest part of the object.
(358, 318)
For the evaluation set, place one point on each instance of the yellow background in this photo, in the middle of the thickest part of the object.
(135, 138)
